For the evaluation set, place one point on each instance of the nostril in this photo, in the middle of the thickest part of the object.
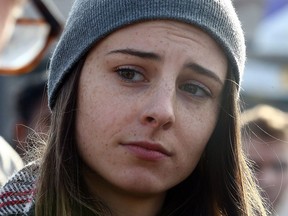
(167, 125)
(150, 119)
(153, 121)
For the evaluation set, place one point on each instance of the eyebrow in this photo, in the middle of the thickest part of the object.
(204, 71)
(138, 53)
(153, 56)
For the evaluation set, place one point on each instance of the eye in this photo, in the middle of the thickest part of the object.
(130, 74)
(195, 89)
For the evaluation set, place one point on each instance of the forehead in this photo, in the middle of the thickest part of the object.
(174, 43)
(168, 38)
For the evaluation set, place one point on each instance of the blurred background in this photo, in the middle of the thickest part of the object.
(265, 23)
(266, 75)
(12, 87)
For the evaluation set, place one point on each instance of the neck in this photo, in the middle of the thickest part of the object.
(128, 206)
(121, 202)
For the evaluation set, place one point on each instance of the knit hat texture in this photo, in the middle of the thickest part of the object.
(91, 20)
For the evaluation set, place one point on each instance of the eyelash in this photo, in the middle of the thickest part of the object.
(123, 71)
(204, 91)
(129, 70)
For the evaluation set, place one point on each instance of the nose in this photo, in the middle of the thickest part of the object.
(159, 108)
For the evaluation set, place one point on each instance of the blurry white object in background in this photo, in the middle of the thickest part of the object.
(266, 79)
(64, 6)
(271, 35)
(36, 28)
(26, 42)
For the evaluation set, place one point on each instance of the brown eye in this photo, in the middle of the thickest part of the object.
(195, 89)
(130, 74)
(127, 74)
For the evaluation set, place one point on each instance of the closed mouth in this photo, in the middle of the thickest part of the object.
(147, 150)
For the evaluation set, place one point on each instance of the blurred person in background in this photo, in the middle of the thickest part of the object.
(27, 29)
(265, 140)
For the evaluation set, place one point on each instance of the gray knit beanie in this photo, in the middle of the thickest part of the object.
(91, 20)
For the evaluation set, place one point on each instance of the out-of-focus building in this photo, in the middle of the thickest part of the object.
(265, 23)
(265, 80)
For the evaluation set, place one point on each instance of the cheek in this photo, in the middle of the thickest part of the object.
(199, 124)
(93, 121)
(101, 115)
(90, 107)
(94, 133)
(195, 133)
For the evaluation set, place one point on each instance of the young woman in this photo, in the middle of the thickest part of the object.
(144, 101)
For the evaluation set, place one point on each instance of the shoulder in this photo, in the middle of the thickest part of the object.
(17, 195)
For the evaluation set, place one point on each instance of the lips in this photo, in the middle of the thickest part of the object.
(147, 150)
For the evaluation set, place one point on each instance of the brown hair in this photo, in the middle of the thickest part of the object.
(264, 121)
(221, 184)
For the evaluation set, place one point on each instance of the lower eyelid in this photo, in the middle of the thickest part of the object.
(199, 92)
(202, 87)
(140, 77)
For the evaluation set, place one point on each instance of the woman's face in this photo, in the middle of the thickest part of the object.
(148, 102)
